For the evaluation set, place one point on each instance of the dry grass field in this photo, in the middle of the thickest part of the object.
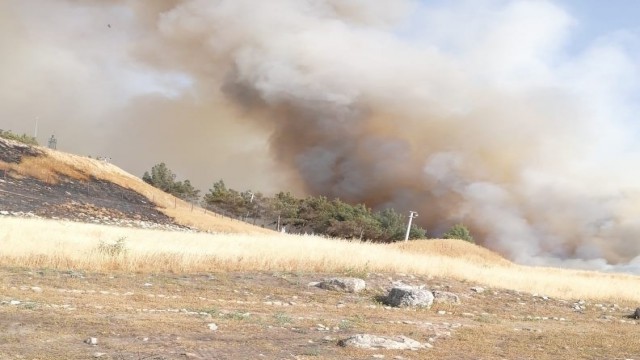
(68, 245)
(153, 294)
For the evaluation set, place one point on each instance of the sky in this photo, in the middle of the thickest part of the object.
(517, 118)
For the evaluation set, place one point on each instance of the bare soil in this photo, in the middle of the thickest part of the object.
(278, 316)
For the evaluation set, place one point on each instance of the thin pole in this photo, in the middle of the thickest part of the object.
(412, 214)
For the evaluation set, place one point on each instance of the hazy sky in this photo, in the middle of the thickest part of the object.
(518, 118)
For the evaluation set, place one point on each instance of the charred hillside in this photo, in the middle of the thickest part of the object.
(33, 185)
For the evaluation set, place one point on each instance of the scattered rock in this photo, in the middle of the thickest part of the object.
(212, 327)
(98, 354)
(91, 341)
(352, 285)
(477, 289)
(366, 341)
(36, 289)
(445, 297)
(15, 302)
(409, 296)
(636, 314)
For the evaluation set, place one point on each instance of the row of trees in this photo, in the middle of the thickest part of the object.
(165, 180)
(313, 214)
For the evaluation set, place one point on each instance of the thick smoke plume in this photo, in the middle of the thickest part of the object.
(473, 112)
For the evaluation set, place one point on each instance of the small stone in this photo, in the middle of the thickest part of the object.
(212, 326)
(91, 341)
(14, 302)
(409, 296)
(442, 312)
(99, 354)
(351, 285)
(445, 297)
(477, 289)
(378, 356)
(366, 341)
(36, 289)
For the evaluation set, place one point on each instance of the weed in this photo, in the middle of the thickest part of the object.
(113, 250)
(345, 324)
(236, 315)
(282, 318)
(361, 272)
(312, 352)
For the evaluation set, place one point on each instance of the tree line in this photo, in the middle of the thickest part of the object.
(311, 214)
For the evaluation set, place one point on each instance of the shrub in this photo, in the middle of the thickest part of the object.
(113, 250)
(459, 231)
(24, 138)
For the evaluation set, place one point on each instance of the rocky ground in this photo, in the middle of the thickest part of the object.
(46, 314)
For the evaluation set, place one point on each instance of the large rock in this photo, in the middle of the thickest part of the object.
(445, 297)
(409, 296)
(366, 341)
(352, 285)
(636, 314)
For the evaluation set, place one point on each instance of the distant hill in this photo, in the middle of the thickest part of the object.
(36, 181)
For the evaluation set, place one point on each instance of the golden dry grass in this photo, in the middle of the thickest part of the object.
(54, 164)
(64, 245)
(454, 249)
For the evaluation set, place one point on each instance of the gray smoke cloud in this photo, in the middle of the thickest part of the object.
(472, 112)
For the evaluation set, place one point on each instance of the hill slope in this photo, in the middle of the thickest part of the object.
(53, 184)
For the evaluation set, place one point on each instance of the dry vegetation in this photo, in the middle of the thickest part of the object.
(66, 245)
(54, 164)
(149, 294)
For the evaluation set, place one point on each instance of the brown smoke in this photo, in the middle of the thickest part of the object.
(487, 125)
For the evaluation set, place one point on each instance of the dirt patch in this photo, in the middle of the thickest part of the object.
(278, 316)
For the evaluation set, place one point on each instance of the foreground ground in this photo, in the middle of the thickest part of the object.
(47, 314)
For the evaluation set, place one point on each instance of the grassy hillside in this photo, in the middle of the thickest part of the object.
(68, 245)
(52, 166)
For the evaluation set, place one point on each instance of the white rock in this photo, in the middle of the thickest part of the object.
(212, 326)
(99, 354)
(352, 285)
(409, 296)
(445, 297)
(366, 341)
(477, 289)
(91, 341)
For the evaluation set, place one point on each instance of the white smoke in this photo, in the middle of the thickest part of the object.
(468, 111)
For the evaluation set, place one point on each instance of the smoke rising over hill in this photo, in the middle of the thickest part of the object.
(471, 112)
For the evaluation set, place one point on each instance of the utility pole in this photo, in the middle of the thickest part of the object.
(412, 215)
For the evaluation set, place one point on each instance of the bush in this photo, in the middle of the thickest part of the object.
(24, 138)
(459, 231)
(113, 250)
